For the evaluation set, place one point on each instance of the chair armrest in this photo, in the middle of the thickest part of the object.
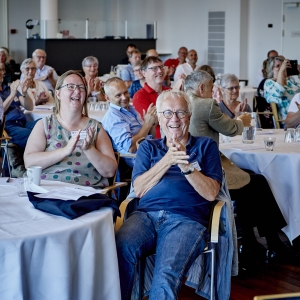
(215, 222)
(113, 187)
(122, 208)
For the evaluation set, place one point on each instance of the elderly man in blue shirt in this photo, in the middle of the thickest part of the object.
(176, 179)
(122, 122)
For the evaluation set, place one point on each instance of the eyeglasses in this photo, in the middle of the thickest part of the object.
(155, 69)
(30, 69)
(168, 114)
(40, 57)
(72, 87)
(233, 88)
(91, 66)
(138, 70)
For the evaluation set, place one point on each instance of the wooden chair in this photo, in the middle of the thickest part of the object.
(4, 138)
(289, 296)
(213, 228)
(264, 111)
(275, 114)
(113, 185)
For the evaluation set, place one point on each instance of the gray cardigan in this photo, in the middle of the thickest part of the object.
(208, 120)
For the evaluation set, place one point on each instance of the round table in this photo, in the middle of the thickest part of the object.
(44, 256)
(281, 168)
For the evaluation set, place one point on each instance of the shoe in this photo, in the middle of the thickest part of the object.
(256, 252)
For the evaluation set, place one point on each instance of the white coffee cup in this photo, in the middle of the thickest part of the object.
(35, 173)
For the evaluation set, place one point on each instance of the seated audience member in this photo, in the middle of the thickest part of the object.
(279, 87)
(262, 74)
(139, 83)
(209, 70)
(61, 153)
(174, 62)
(151, 52)
(230, 104)
(207, 118)
(122, 122)
(153, 71)
(90, 68)
(37, 90)
(129, 49)
(189, 67)
(293, 116)
(174, 194)
(44, 73)
(16, 125)
(9, 72)
(1, 109)
(127, 73)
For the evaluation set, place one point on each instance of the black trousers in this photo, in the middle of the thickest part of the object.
(257, 207)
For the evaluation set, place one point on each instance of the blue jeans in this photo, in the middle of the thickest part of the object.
(19, 131)
(177, 241)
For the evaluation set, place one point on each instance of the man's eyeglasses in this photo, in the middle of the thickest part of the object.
(30, 69)
(155, 69)
(138, 70)
(233, 88)
(168, 114)
(40, 57)
(72, 87)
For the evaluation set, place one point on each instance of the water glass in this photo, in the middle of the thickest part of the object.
(289, 135)
(248, 135)
(269, 143)
(22, 185)
(297, 136)
(225, 138)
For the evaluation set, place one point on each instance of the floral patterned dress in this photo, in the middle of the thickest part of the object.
(281, 95)
(75, 168)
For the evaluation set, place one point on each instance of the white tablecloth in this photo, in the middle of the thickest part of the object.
(247, 92)
(47, 257)
(38, 113)
(281, 168)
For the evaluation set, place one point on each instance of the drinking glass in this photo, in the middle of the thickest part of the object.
(248, 135)
(297, 136)
(22, 185)
(289, 135)
(269, 143)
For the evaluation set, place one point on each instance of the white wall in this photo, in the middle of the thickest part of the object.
(248, 38)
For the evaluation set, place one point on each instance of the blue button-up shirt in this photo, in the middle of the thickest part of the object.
(121, 125)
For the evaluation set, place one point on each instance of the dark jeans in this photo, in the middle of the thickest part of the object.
(19, 131)
(177, 241)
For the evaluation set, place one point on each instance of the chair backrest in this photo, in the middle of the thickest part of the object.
(264, 112)
(275, 114)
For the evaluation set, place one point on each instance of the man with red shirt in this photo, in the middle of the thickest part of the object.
(174, 62)
(153, 70)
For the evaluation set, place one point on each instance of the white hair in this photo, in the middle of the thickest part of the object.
(171, 94)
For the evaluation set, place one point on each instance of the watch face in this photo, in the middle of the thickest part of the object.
(192, 169)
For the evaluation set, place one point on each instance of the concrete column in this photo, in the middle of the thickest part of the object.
(49, 19)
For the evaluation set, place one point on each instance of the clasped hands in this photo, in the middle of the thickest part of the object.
(176, 154)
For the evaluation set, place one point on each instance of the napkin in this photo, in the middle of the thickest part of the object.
(72, 209)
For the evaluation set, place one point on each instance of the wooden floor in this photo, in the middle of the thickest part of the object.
(266, 279)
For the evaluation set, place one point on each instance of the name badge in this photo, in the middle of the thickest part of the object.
(195, 165)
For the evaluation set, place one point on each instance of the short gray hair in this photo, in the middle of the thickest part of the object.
(196, 78)
(26, 62)
(226, 79)
(173, 94)
(109, 82)
(90, 59)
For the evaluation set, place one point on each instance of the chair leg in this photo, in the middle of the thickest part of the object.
(141, 270)
(213, 296)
